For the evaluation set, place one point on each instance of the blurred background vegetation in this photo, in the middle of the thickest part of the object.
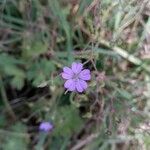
(38, 38)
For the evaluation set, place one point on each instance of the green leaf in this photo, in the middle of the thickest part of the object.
(35, 48)
(16, 139)
(125, 94)
(17, 82)
(10, 67)
(40, 71)
(68, 122)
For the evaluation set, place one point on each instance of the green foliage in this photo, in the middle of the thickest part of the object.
(38, 38)
(17, 138)
(33, 47)
(125, 94)
(64, 25)
(11, 67)
(147, 141)
(3, 121)
(40, 71)
(67, 121)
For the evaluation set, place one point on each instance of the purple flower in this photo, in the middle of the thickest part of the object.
(45, 126)
(76, 77)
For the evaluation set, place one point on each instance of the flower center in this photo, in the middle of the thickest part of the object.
(76, 76)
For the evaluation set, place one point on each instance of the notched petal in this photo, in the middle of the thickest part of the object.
(85, 74)
(66, 75)
(77, 67)
(70, 85)
(79, 87)
(83, 84)
(68, 70)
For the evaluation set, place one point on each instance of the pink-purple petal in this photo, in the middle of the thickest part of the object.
(79, 87)
(70, 85)
(76, 77)
(66, 75)
(76, 67)
(46, 126)
(83, 84)
(68, 70)
(85, 74)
